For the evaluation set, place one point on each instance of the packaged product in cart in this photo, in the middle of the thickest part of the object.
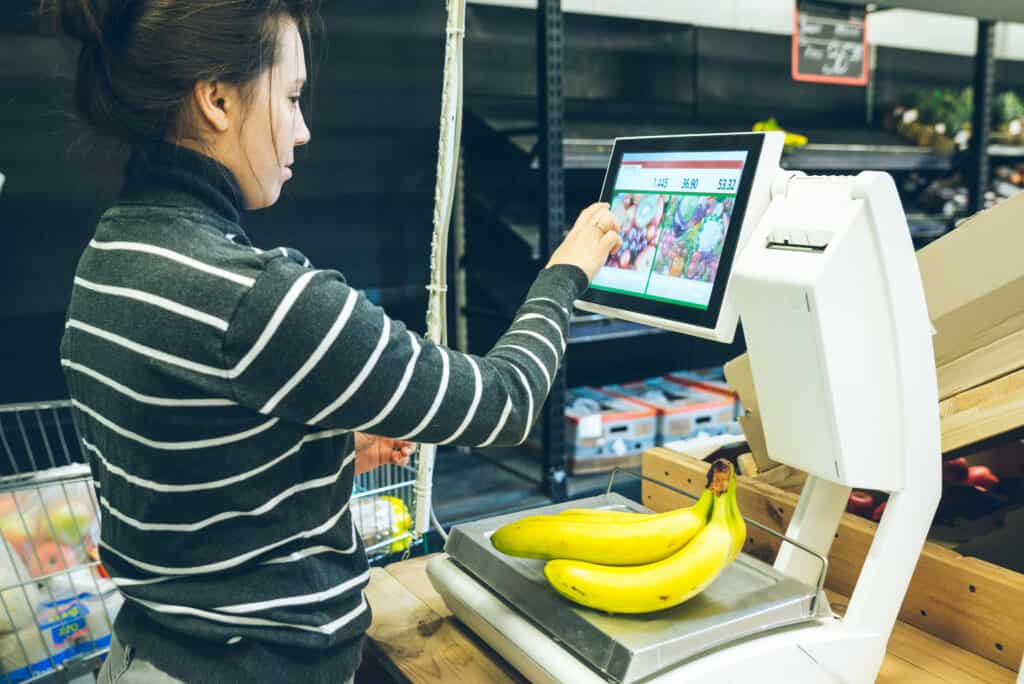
(380, 518)
(76, 614)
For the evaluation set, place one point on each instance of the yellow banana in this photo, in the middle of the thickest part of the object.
(598, 539)
(595, 514)
(659, 585)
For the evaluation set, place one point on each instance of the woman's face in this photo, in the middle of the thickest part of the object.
(273, 126)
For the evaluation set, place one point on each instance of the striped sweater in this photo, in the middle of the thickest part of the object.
(217, 388)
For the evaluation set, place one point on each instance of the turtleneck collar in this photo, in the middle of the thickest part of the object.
(163, 173)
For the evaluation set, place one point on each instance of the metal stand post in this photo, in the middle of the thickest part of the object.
(552, 225)
(984, 79)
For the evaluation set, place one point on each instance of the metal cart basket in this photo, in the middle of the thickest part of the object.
(57, 604)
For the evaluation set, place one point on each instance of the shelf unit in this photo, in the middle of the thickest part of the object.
(550, 147)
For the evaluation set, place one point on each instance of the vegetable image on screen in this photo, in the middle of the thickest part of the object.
(692, 245)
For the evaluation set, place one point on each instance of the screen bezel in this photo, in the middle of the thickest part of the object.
(752, 144)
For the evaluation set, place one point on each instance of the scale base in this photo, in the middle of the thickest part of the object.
(787, 655)
(748, 598)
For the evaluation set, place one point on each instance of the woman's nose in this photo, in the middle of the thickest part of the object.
(302, 134)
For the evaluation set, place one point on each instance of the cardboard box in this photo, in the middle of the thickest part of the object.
(604, 431)
(974, 284)
(683, 410)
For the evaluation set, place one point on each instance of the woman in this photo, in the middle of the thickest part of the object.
(225, 394)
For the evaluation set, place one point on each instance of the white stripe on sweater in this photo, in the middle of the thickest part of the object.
(268, 332)
(283, 307)
(148, 352)
(532, 357)
(357, 384)
(234, 561)
(265, 507)
(154, 300)
(558, 328)
(311, 551)
(339, 324)
(529, 402)
(173, 256)
(501, 424)
(538, 336)
(305, 553)
(478, 389)
(403, 385)
(215, 484)
(549, 300)
(329, 628)
(300, 600)
(126, 582)
(293, 557)
(139, 397)
(442, 388)
(174, 446)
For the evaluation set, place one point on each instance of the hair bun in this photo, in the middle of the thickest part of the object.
(93, 21)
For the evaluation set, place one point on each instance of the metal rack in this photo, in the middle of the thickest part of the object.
(57, 604)
(545, 149)
(589, 153)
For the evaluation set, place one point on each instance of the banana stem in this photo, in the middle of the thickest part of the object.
(720, 476)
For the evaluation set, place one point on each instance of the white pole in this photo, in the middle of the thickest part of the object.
(444, 193)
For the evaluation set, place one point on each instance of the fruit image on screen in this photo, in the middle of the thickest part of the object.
(640, 217)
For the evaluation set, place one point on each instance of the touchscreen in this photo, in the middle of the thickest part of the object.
(674, 209)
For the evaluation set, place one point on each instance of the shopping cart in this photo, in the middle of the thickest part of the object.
(57, 604)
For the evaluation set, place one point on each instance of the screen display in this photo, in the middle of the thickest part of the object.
(674, 209)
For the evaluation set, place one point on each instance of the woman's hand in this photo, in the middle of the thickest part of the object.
(373, 452)
(594, 236)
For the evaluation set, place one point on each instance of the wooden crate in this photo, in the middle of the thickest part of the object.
(965, 601)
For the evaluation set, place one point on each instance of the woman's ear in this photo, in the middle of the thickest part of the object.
(216, 103)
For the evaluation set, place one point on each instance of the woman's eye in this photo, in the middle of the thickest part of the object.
(295, 99)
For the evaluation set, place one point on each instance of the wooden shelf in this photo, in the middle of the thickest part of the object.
(983, 412)
(968, 602)
(415, 632)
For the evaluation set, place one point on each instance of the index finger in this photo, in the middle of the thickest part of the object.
(587, 214)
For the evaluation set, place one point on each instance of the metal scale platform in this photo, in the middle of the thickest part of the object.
(750, 597)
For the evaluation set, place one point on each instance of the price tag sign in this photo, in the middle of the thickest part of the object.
(830, 43)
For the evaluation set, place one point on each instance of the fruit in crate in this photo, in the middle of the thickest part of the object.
(629, 540)
(860, 503)
(981, 478)
(669, 582)
(955, 470)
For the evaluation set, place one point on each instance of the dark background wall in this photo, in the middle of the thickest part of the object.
(362, 197)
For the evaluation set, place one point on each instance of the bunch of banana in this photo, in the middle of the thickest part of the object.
(597, 568)
(606, 537)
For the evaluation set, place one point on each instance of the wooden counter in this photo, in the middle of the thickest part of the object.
(415, 633)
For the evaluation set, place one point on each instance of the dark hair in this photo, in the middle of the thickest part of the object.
(140, 59)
